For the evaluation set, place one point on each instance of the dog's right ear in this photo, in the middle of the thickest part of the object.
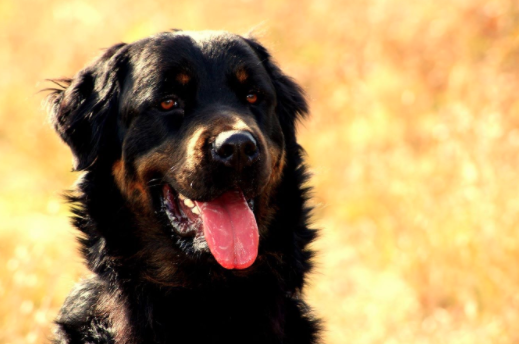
(84, 110)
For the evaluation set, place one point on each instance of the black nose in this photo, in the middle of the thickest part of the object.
(236, 149)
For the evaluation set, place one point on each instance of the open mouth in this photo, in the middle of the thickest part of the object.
(226, 225)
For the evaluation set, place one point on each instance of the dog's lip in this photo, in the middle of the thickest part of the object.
(182, 213)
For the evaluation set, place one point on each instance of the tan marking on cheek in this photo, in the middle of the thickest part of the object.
(137, 189)
(265, 210)
(153, 163)
(278, 164)
(242, 75)
(193, 153)
(134, 190)
(276, 161)
(118, 172)
(183, 78)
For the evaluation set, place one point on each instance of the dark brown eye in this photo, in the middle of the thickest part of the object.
(168, 104)
(252, 98)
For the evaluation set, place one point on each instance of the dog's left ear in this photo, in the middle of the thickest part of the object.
(291, 103)
(86, 107)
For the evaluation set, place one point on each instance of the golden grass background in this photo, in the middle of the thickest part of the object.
(413, 142)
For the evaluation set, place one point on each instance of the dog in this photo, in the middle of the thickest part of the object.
(192, 207)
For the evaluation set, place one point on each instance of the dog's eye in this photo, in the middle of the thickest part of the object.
(252, 98)
(169, 104)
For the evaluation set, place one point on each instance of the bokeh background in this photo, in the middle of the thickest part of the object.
(413, 142)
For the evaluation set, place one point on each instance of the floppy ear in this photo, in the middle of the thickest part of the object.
(85, 108)
(291, 102)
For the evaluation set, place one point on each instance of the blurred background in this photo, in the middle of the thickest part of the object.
(413, 143)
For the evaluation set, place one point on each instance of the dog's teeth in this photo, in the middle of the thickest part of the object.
(195, 211)
(189, 203)
(182, 197)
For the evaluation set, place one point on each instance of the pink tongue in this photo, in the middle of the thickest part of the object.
(230, 230)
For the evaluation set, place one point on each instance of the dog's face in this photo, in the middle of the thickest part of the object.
(193, 129)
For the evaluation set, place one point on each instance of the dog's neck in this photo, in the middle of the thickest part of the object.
(269, 289)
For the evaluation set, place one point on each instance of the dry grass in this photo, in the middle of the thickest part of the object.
(413, 141)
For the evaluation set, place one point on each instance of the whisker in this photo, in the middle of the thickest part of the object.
(155, 182)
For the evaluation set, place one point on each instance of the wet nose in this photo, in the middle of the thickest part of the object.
(236, 149)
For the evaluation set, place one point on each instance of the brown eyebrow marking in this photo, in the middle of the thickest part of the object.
(242, 75)
(183, 78)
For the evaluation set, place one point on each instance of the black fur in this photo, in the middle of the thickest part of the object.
(150, 284)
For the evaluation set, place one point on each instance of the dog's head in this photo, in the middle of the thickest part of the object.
(192, 129)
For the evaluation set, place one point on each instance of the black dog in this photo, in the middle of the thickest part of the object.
(191, 208)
